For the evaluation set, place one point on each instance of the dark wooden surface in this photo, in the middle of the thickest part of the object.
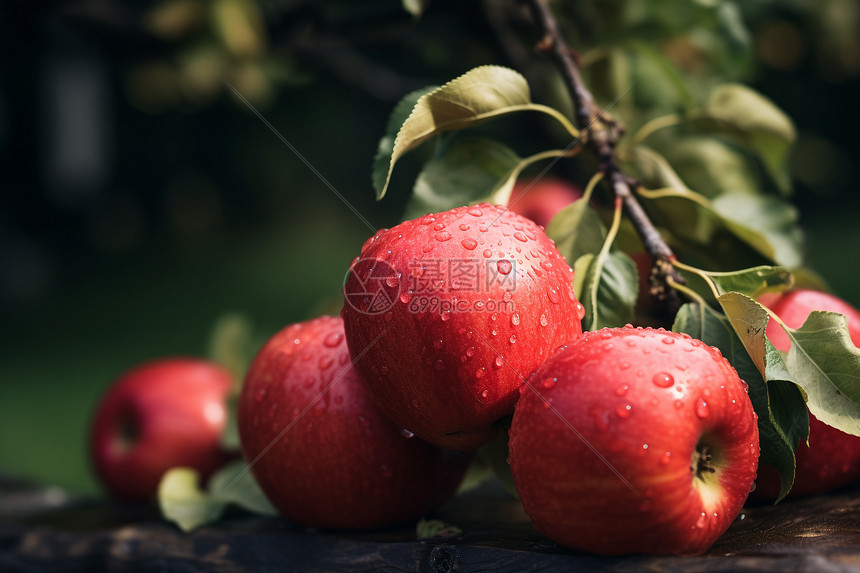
(43, 529)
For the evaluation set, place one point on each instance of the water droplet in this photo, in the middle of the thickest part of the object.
(479, 305)
(549, 383)
(702, 409)
(464, 227)
(479, 373)
(427, 220)
(442, 236)
(664, 459)
(580, 311)
(605, 335)
(546, 265)
(383, 370)
(515, 319)
(700, 523)
(297, 341)
(507, 296)
(601, 422)
(470, 351)
(475, 211)
(504, 266)
(624, 411)
(438, 344)
(513, 338)
(427, 248)
(667, 340)
(440, 365)
(485, 393)
(469, 244)
(333, 339)
(752, 487)
(552, 294)
(388, 316)
(494, 332)
(520, 236)
(622, 390)
(406, 297)
(499, 361)
(392, 281)
(663, 380)
(325, 362)
(446, 316)
(487, 253)
(406, 433)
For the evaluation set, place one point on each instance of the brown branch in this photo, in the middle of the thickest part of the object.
(601, 133)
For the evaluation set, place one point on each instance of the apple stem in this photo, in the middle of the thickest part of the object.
(702, 462)
(601, 133)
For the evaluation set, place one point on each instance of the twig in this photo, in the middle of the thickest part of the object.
(602, 133)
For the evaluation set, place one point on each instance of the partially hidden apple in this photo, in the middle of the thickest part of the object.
(541, 199)
(446, 316)
(158, 415)
(832, 459)
(320, 450)
(632, 440)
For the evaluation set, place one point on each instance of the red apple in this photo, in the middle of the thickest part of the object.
(540, 200)
(832, 459)
(324, 455)
(161, 414)
(447, 315)
(634, 440)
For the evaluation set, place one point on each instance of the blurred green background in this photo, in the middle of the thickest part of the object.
(142, 199)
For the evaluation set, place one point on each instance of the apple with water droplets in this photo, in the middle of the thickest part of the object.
(634, 440)
(158, 415)
(832, 459)
(446, 315)
(320, 450)
(540, 200)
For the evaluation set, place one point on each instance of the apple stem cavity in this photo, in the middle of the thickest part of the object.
(127, 434)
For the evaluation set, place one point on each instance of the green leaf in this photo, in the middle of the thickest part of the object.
(435, 528)
(479, 95)
(467, 169)
(183, 502)
(382, 161)
(783, 419)
(766, 223)
(577, 230)
(230, 343)
(677, 212)
(826, 364)
(608, 291)
(711, 166)
(235, 484)
(752, 282)
(754, 120)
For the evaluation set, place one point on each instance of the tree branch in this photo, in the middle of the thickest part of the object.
(601, 133)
